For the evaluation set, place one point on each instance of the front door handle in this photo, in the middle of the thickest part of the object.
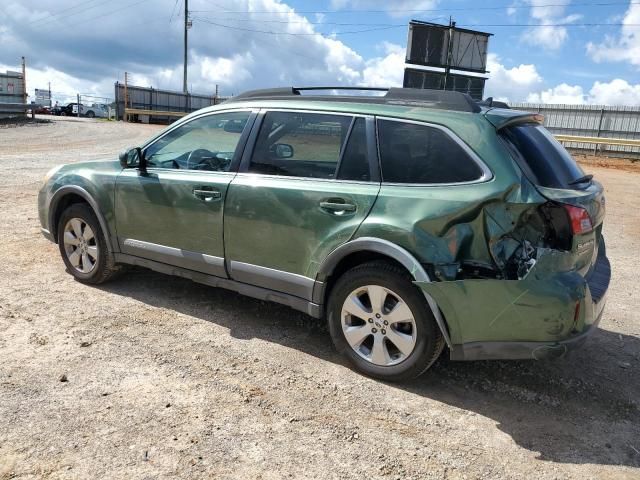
(207, 195)
(337, 206)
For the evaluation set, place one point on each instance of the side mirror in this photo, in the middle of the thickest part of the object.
(132, 158)
(282, 150)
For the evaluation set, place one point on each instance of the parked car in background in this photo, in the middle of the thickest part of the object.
(65, 110)
(97, 110)
(42, 110)
(410, 221)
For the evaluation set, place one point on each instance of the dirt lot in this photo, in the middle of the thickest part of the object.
(169, 378)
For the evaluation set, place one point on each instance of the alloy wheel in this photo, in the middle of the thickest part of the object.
(80, 245)
(378, 325)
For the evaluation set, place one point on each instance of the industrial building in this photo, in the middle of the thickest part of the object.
(13, 94)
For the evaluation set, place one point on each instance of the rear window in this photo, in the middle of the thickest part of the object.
(545, 161)
(412, 153)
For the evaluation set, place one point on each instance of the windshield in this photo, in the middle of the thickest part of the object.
(546, 161)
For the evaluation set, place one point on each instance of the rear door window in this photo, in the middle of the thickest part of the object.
(422, 154)
(354, 164)
(544, 160)
(299, 144)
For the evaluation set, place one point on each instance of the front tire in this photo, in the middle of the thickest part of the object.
(382, 323)
(83, 246)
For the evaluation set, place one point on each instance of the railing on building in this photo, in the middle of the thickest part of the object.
(580, 127)
(149, 104)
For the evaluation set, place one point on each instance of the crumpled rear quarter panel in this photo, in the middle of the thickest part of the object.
(443, 225)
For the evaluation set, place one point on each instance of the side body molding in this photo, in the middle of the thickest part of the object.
(60, 193)
(384, 247)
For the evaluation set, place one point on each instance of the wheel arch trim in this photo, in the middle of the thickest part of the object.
(389, 249)
(77, 190)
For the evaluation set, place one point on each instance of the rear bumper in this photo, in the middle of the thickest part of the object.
(523, 350)
(537, 313)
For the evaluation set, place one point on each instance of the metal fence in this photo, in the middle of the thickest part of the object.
(591, 121)
(148, 98)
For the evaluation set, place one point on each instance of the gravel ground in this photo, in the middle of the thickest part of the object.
(156, 377)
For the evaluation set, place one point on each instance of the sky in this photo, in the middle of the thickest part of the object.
(548, 51)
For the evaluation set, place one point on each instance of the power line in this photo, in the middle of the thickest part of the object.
(404, 25)
(268, 32)
(51, 17)
(105, 14)
(309, 22)
(417, 10)
(303, 22)
(173, 10)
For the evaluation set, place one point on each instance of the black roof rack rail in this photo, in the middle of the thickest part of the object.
(441, 99)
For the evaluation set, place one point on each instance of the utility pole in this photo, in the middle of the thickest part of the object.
(50, 103)
(24, 82)
(125, 117)
(447, 72)
(186, 27)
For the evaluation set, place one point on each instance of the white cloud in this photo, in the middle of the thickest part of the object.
(562, 93)
(387, 71)
(396, 8)
(625, 47)
(510, 84)
(615, 92)
(226, 70)
(544, 12)
(523, 83)
(236, 57)
(89, 58)
(546, 36)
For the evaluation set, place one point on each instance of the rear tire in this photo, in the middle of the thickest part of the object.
(90, 114)
(83, 246)
(399, 340)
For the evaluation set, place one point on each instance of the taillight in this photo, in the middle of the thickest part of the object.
(579, 219)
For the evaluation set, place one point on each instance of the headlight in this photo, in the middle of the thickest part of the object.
(50, 174)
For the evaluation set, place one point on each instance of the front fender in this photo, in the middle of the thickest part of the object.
(94, 182)
(76, 190)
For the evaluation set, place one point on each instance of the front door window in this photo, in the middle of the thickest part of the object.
(206, 144)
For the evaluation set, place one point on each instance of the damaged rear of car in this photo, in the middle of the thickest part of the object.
(539, 287)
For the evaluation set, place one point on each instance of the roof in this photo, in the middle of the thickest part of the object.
(411, 97)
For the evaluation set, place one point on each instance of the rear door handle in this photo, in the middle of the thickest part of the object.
(337, 207)
(207, 195)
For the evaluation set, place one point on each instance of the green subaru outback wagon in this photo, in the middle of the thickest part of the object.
(412, 221)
